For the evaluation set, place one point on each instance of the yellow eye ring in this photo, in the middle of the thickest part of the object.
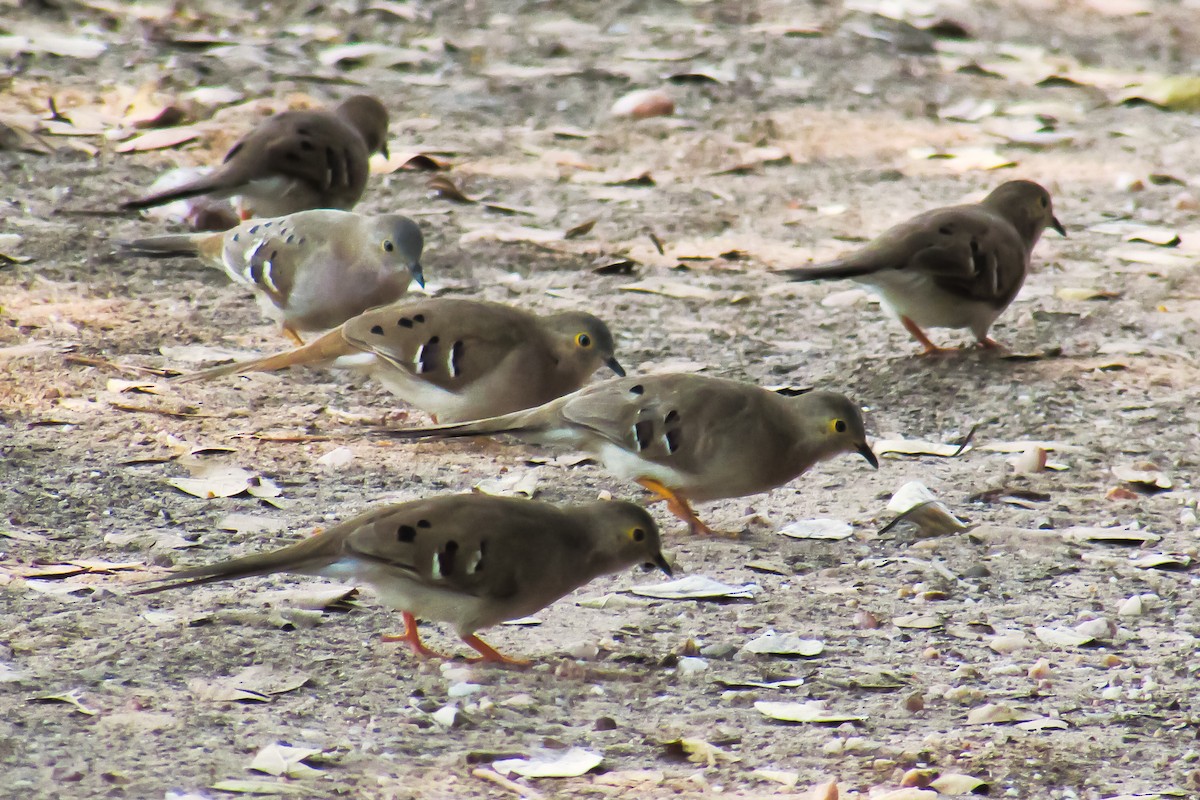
(837, 426)
(583, 340)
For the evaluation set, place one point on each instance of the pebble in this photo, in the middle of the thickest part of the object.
(1131, 607)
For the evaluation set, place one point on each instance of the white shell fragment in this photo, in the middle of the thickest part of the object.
(571, 764)
(832, 529)
(784, 644)
(696, 587)
(809, 711)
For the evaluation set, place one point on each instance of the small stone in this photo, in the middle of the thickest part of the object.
(1132, 607)
(689, 666)
(931, 654)
(914, 703)
(1096, 628)
(1112, 693)
(718, 650)
(1040, 670)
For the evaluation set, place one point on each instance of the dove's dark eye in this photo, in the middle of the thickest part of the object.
(638, 535)
(839, 425)
(388, 246)
(583, 340)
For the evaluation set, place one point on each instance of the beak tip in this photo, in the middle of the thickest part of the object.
(661, 563)
(418, 275)
(866, 452)
(615, 366)
(1058, 226)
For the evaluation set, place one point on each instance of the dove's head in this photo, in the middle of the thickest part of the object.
(830, 424)
(401, 243)
(623, 535)
(367, 116)
(584, 341)
(1027, 206)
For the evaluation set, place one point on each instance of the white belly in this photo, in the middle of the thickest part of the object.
(913, 295)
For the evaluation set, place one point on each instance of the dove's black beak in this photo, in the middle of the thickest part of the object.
(866, 452)
(418, 273)
(660, 561)
(1058, 226)
(615, 366)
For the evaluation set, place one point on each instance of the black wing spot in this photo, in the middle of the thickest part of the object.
(274, 255)
(406, 533)
(974, 246)
(446, 557)
(267, 224)
(432, 339)
(644, 433)
(946, 230)
(672, 439)
(291, 238)
(237, 236)
(254, 229)
(637, 388)
(292, 156)
(672, 416)
(418, 317)
(306, 146)
(304, 131)
(424, 523)
(377, 330)
(405, 322)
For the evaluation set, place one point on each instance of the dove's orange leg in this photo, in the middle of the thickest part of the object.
(677, 504)
(988, 343)
(489, 654)
(290, 333)
(919, 335)
(413, 639)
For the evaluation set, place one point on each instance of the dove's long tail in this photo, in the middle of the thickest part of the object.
(833, 270)
(208, 184)
(172, 244)
(319, 351)
(304, 557)
(517, 423)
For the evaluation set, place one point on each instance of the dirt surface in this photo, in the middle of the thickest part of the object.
(801, 141)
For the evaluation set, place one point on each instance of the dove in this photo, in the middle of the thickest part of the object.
(311, 270)
(687, 438)
(469, 560)
(294, 161)
(954, 267)
(456, 359)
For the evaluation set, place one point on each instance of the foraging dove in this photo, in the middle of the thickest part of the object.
(312, 270)
(687, 437)
(954, 267)
(468, 560)
(294, 161)
(456, 359)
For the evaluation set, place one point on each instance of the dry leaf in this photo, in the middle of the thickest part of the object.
(810, 711)
(678, 289)
(696, 587)
(1144, 476)
(918, 447)
(964, 159)
(282, 760)
(699, 751)
(517, 483)
(1173, 92)
(71, 698)
(53, 43)
(255, 684)
(571, 764)
(1163, 561)
(1062, 637)
(159, 140)
(915, 504)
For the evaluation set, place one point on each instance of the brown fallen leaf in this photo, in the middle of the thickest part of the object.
(159, 139)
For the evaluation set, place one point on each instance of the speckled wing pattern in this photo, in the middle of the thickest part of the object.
(445, 344)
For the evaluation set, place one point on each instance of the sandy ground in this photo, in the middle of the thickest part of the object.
(798, 132)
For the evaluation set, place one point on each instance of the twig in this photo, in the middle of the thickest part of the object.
(505, 783)
(131, 369)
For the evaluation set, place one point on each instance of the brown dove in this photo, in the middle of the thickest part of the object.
(687, 437)
(471, 560)
(954, 267)
(294, 161)
(456, 359)
(311, 270)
